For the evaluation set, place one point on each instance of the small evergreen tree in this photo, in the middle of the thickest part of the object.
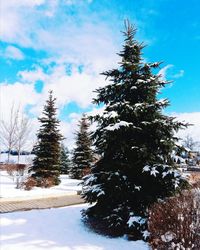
(64, 160)
(135, 141)
(82, 154)
(46, 164)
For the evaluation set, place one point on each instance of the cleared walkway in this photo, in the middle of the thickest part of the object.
(11, 205)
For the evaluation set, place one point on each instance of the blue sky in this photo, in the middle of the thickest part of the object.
(64, 44)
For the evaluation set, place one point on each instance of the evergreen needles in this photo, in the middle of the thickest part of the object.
(82, 153)
(46, 165)
(135, 141)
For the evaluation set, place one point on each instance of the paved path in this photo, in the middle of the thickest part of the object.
(11, 205)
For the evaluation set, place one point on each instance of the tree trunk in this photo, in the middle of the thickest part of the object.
(9, 155)
(18, 156)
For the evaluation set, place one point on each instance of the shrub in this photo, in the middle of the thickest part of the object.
(39, 182)
(17, 172)
(47, 182)
(29, 183)
(175, 223)
(196, 185)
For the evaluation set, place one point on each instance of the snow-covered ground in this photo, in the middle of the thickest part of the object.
(56, 229)
(8, 188)
(24, 159)
(8, 185)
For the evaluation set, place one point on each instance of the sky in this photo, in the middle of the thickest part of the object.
(64, 45)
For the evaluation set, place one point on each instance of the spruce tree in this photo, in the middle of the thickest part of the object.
(46, 164)
(135, 141)
(82, 153)
(65, 162)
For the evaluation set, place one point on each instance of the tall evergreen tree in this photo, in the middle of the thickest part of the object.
(82, 154)
(135, 141)
(65, 162)
(47, 150)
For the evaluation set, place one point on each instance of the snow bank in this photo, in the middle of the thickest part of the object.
(8, 188)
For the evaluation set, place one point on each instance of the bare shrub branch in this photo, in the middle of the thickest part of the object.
(175, 223)
(8, 131)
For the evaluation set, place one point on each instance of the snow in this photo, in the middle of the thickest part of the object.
(136, 219)
(24, 159)
(97, 189)
(118, 125)
(168, 236)
(145, 234)
(146, 168)
(177, 173)
(56, 229)
(176, 183)
(138, 187)
(154, 171)
(111, 114)
(8, 185)
(139, 104)
(8, 190)
(141, 81)
(88, 179)
(178, 158)
(101, 193)
(133, 87)
(164, 174)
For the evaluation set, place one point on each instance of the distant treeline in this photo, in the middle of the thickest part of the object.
(14, 152)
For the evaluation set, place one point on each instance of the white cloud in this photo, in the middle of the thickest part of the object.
(89, 43)
(73, 2)
(164, 74)
(68, 130)
(191, 118)
(16, 20)
(51, 8)
(24, 3)
(12, 52)
(17, 94)
(31, 76)
(163, 71)
(179, 74)
(77, 87)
